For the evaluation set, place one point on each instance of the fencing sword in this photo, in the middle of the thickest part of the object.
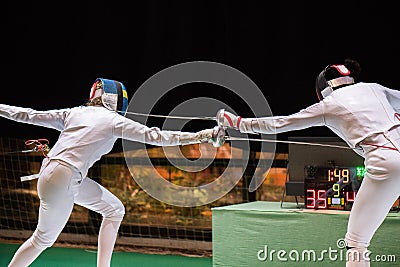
(171, 116)
(219, 138)
(41, 145)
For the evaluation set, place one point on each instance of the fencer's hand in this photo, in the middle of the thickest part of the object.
(204, 136)
(227, 119)
(214, 136)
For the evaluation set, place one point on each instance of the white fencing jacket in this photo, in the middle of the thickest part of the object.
(353, 112)
(89, 132)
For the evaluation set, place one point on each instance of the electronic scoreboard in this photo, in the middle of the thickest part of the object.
(331, 187)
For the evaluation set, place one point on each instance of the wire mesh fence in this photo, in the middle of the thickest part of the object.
(149, 224)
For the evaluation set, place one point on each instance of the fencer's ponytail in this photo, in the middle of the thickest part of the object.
(354, 68)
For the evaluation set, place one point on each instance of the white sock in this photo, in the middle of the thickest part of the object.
(25, 255)
(107, 236)
(358, 257)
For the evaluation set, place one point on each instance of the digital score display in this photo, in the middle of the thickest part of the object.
(331, 187)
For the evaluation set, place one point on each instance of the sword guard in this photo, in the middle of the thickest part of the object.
(218, 136)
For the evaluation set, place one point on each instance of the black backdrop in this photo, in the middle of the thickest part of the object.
(53, 50)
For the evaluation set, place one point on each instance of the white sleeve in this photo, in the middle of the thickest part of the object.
(51, 119)
(305, 118)
(393, 97)
(135, 131)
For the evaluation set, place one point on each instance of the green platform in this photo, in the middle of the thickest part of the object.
(243, 233)
(75, 257)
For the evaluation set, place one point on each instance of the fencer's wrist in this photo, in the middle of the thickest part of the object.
(249, 126)
(188, 138)
(203, 136)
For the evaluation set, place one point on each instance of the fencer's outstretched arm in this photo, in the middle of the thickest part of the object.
(51, 119)
(135, 131)
(305, 118)
(123, 127)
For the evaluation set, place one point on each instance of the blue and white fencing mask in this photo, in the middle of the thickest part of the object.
(113, 94)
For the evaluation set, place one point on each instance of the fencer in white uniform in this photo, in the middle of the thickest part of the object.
(365, 116)
(87, 133)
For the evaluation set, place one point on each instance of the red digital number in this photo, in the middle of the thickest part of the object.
(316, 199)
(310, 198)
(350, 196)
(322, 199)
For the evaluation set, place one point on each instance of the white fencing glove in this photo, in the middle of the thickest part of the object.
(227, 119)
(214, 136)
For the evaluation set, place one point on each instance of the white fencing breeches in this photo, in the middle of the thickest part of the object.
(59, 187)
(378, 191)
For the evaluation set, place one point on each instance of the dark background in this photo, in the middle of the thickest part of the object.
(53, 51)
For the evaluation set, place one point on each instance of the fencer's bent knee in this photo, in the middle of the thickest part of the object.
(43, 240)
(115, 212)
(118, 213)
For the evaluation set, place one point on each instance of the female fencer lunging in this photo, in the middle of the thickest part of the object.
(87, 133)
(365, 116)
